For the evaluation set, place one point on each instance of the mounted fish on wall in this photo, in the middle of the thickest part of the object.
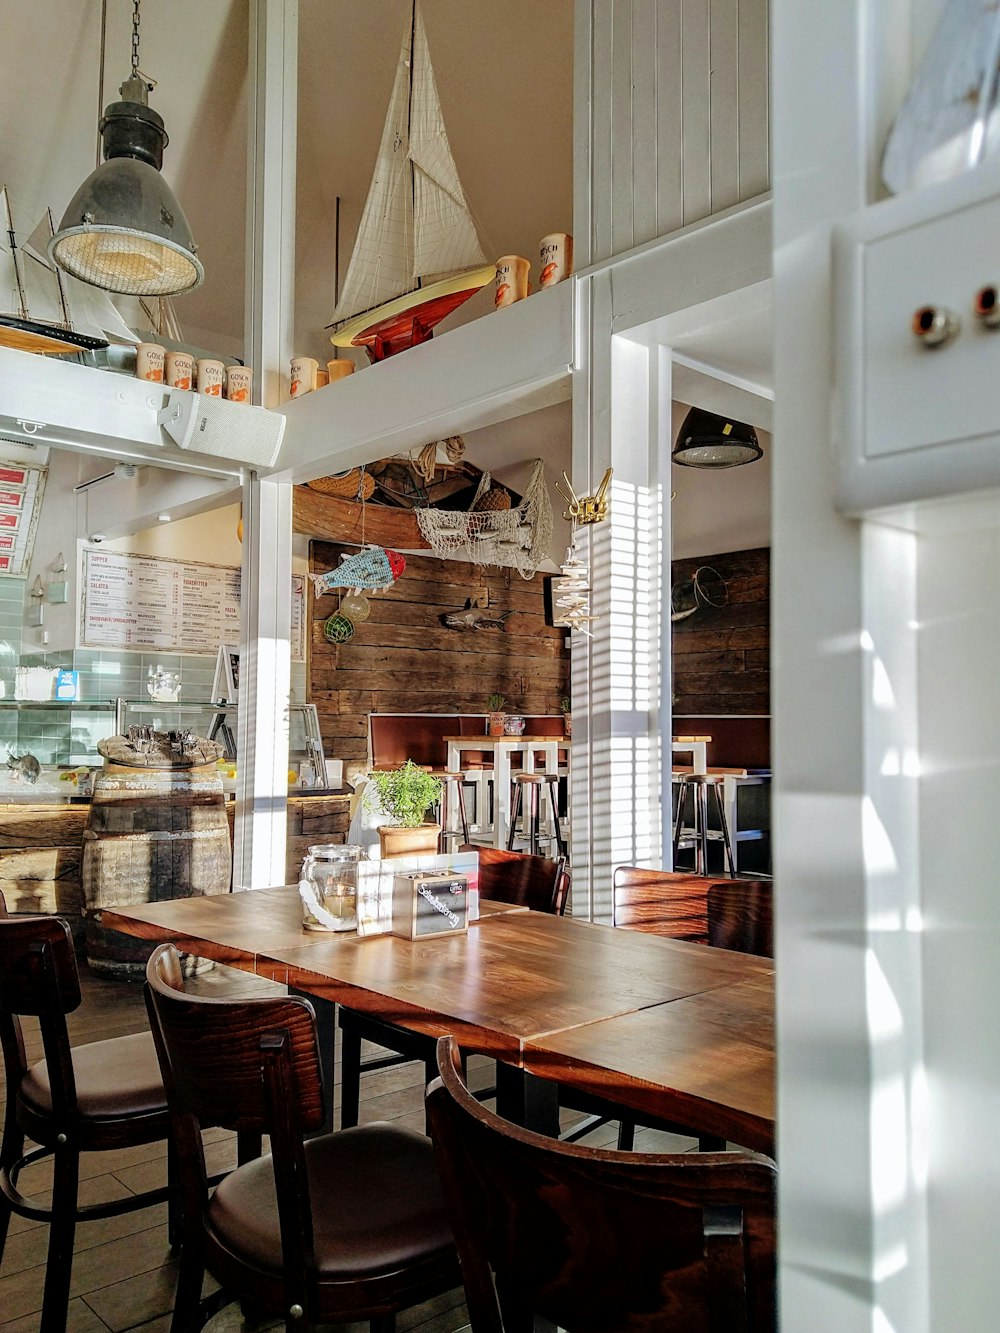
(474, 617)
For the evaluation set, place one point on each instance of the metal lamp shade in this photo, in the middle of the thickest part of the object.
(709, 441)
(123, 230)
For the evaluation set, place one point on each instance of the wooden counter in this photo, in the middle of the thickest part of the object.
(41, 846)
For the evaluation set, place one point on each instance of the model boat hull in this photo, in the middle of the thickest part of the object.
(35, 335)
(410, 319)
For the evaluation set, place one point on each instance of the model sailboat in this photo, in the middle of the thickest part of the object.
(48, 330)
(416, 224)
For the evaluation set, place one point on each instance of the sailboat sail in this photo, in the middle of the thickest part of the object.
(445, 237)
(88, 308)
(34, 316)
(416, 221)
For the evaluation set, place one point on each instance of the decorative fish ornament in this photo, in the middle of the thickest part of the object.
(474, 618)
(372, 568)
(26, 767)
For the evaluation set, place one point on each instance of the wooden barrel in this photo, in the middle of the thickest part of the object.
(153, 833)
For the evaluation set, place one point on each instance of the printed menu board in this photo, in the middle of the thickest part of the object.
(21, 490)
(141, 602)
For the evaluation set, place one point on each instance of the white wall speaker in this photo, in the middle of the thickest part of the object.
(221, 429)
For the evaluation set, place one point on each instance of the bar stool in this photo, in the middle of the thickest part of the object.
(698, 835)
(535, 782)
(452, 782)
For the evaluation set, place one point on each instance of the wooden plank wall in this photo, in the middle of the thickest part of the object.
(403, 660)
(721, 655)
(672, 120)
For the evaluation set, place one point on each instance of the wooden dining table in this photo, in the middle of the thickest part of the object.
(542, 994)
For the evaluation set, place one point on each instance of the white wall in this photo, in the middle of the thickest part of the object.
(672, 116)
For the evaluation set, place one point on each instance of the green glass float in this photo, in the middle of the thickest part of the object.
(338, 629)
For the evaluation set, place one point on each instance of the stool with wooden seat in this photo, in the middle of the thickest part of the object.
(534, 783)
(452, 789)
(698, 834)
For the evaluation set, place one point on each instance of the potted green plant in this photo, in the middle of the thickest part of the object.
(406, 794)
(566, 708)
(495, 705)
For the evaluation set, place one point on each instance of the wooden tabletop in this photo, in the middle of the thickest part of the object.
(484, 742)
(709, 1057)
(661, 1024)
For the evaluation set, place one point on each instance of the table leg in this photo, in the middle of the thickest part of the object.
(501, 794)
(528, 1100)
(326, 1029)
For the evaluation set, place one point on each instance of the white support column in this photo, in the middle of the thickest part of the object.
(265, 657)
(618, 672)
(262, 725)
(270, 286)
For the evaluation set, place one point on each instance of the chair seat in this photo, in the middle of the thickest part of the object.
(377, 1209)
(115, 1078)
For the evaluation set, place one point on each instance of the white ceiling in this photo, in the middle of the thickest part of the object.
(505, 82)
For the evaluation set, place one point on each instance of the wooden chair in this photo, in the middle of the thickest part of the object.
(343, 1227)
(662, 902)
(598, 1240)
(740, 916)
(509, 877)
(98, 1097)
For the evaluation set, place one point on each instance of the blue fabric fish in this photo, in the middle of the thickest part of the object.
(372, 568)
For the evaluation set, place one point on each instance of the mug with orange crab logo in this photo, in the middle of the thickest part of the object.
(303, 376)
(149, 359)
(239, 383)
(556, 256)
(511, 280)
(211, 374)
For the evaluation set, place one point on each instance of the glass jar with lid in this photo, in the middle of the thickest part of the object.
(328, 886)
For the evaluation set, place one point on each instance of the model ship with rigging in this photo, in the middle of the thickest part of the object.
(417, 256)
(49, 311)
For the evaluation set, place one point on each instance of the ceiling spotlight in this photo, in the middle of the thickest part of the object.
(123, 230)
(710, 441)
(163, 518)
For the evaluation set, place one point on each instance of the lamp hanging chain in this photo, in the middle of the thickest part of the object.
(135, 39)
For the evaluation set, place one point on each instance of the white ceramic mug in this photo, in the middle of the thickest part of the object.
(511, 280)
(304, 370)
(239, 384)
(149, 361)
(180, 370)
(556, 258)
(210, 377)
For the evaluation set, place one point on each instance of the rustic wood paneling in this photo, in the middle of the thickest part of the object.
(721, 661)
(403, 660)
(677, 117)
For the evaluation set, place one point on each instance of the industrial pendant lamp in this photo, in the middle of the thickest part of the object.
(123, 230)
(707, 440)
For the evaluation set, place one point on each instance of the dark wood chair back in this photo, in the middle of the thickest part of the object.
(531, 881)
(38, 979)
(221, 1059)
(740, 916)
(662, 902)
(600, 1240)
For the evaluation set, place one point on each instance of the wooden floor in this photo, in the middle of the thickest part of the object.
(123, 1276)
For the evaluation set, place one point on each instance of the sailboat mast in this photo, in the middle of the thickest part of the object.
(409, 120)
(22, 305)
(63, 302)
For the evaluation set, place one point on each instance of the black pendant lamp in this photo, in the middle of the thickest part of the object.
(709, 441)
(123, 230)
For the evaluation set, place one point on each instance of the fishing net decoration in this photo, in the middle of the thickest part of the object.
(516, 538)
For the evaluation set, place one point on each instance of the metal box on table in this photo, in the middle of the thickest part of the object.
(428, 904)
